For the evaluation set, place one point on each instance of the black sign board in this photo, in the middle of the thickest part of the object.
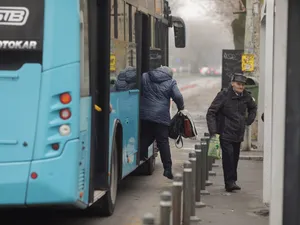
(155, 58)
(231, 63)
(21, 25)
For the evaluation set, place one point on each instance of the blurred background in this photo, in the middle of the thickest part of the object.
(212, 25)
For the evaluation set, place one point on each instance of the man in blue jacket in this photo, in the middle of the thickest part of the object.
(158, 88)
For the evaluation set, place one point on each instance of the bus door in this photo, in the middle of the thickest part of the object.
(143, 40)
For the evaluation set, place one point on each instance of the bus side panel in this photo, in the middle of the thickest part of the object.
(57, 169)
(126, 109)
(57, 179)
(84, 152)
(13, 182)
(61, 73)
(61, 33)
(19, 99)
(55, 82)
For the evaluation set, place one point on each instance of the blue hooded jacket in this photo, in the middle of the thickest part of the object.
(126, 80)
(158, 88)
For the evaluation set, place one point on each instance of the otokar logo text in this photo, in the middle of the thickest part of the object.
(13, 16)
(18, 45)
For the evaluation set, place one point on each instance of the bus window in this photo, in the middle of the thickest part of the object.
(153, 32)
(131, 53)
(121, 20)
(84, 50)
(122, 67)
(157, 36)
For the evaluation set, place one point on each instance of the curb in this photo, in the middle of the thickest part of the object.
(189, 86)
(252, 157)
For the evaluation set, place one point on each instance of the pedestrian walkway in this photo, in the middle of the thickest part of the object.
(243, 207)
(238, 208)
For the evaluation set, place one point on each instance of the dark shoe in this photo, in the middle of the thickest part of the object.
(229, 187)
(144, 158)
(168, 173)
(237, 187)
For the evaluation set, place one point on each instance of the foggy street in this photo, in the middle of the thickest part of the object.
(140, 194)
(77, 120)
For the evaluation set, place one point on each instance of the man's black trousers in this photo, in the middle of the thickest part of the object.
(151, 131)
(230, 159)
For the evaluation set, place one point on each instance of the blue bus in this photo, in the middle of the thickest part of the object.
(60, 145)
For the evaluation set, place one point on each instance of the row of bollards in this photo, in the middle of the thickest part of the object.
(179, 207)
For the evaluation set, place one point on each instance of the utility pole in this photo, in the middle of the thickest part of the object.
(251, 46)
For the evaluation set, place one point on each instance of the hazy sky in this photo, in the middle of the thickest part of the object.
(208, 30)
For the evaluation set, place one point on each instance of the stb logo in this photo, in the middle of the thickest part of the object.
(13, 16)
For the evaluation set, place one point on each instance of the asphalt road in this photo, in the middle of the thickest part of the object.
(137, 194)
(186, 78)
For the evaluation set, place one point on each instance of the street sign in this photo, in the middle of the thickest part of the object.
(248, 62)
(231, 64)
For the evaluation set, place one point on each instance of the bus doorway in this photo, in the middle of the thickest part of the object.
(143, 32)
(99, 42)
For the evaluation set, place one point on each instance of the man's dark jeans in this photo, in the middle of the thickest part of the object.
(151, 131)
(230, 159)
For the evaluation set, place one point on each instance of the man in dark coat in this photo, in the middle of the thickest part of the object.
(158, 89)
(227, 117)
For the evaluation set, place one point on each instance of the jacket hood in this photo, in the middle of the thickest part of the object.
(126, 79)
(161, 74)
(128, 75)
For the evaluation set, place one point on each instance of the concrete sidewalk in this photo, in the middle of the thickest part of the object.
(243, 207)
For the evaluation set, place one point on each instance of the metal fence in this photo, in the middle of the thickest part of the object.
(178, 207)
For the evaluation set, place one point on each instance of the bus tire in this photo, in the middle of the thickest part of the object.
(150, 166)
(109, 199)
(147, 168)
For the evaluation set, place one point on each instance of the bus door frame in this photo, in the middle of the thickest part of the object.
(143, 44)
(99, 45)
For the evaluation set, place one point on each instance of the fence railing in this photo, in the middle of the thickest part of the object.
(178, 207)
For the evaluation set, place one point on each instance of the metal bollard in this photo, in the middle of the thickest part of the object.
(207, 181)
(192, 159)
(199, 204)
(203, 143)
(211, 172)
(148, 219)
(176, 199)
(165, 207)
(214, 163)
(187, 189)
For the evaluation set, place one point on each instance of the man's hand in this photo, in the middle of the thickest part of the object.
(214, 136)
(110, 108)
